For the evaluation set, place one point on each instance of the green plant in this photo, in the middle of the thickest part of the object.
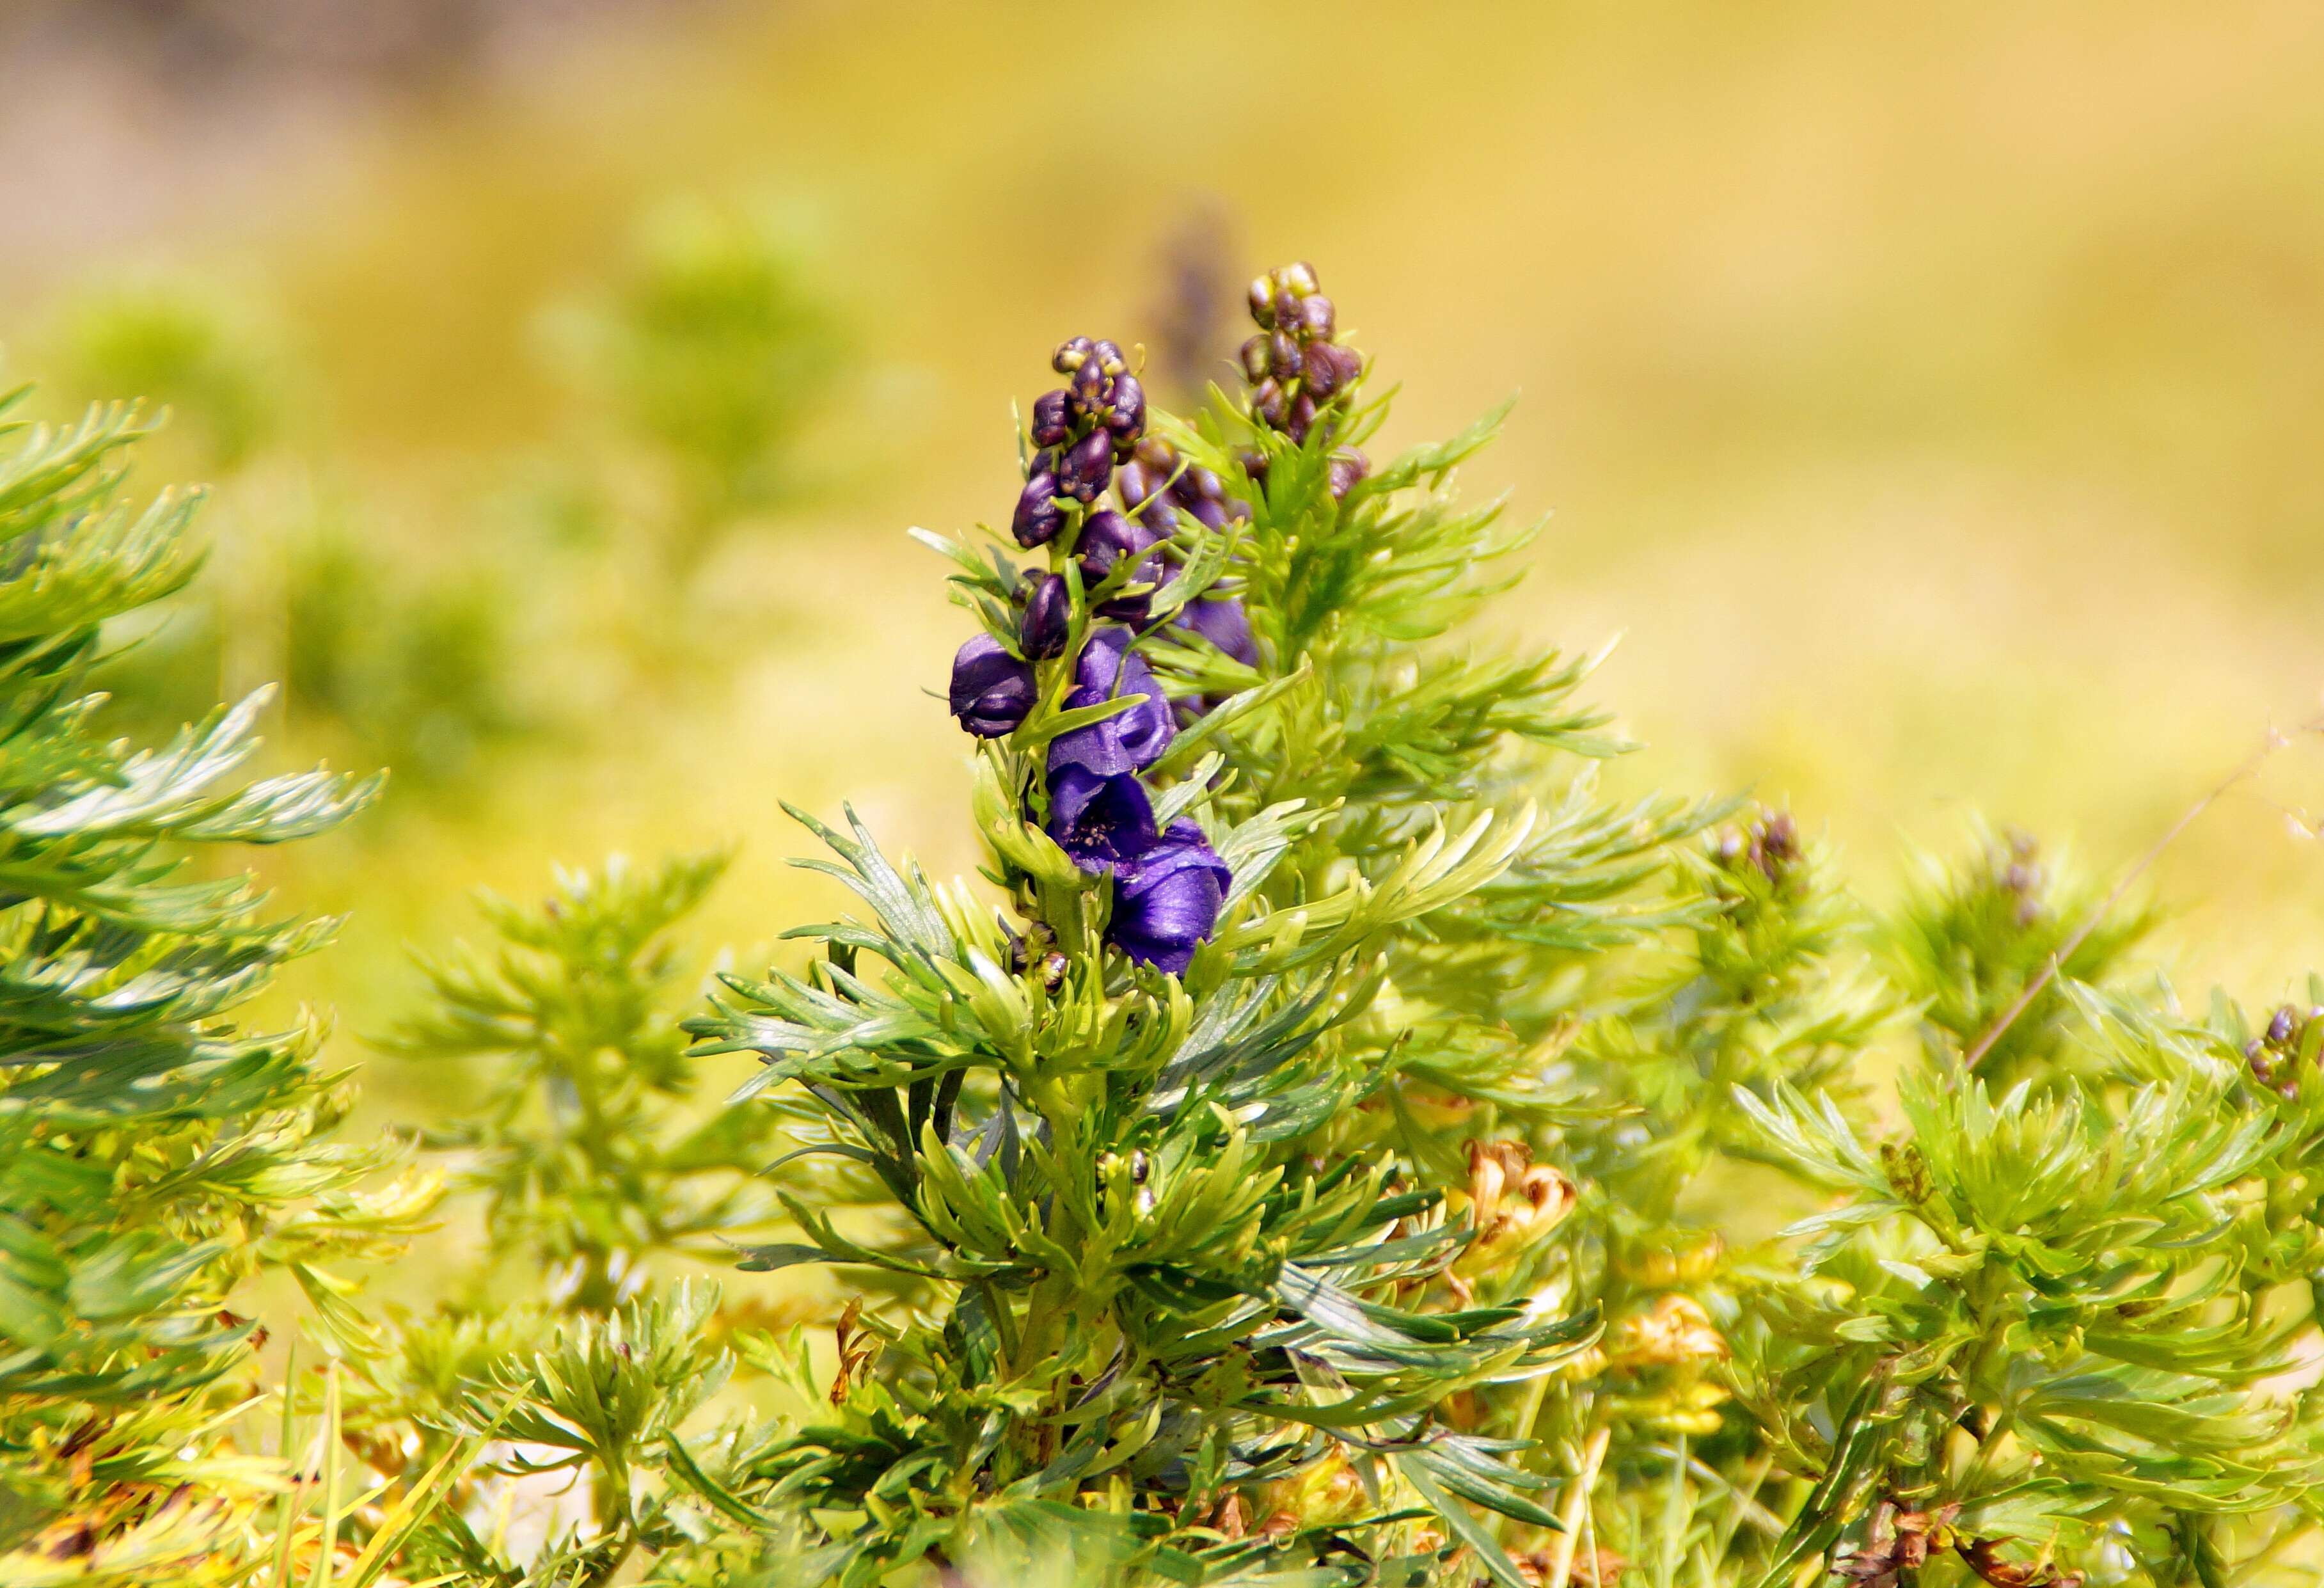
(153, 1157)
(1335, 1144)
(714, 347)
(589, 1160)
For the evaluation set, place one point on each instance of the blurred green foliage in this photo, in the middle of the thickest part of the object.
(712, 345)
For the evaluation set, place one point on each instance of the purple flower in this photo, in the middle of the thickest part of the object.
(1106, 540)
(1086, 466)
(1042, 632)
(991, 690)
(1100, 821)
(1129, 740)
(1049, 425)
(1221, 620)
(1168, 899)
(1167, 886)
(1038, 517)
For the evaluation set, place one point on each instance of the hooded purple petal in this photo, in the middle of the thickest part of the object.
(1129, 740)
(1168, 901)
(991, 690)
(1101, 821)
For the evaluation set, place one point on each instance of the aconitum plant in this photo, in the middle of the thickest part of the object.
(1333, 1143)
(1340, 1145)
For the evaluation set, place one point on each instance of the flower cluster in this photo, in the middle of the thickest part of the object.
(1079, 431)
(1768, 843)
(1299, 374)
(1089, 438)
(2274, 1055)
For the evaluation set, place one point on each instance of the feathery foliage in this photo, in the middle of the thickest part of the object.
(153, 1157)
(1334, 1143)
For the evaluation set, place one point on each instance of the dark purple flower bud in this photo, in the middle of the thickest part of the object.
(1158, 516)
(1302, 418)
(1100, 819)
(1211, 513)
(1167, 900)
(1298, 278)
(1316, 316)
(1050, 424)
(1133, 485)
(1071, 355)
(1128, 419)
(1267, 401)
(1282, 356)
(1129, 740)
(1320, 370)
(1087, 386)
(1262, 302)
(991, 690)
(1344, 470)
(1286, 309)
(2279, 1028)
(1086, 466)
(1048, 618)
(1109, 356)
(1221, 620)
(1254, 359)
(1346, 362)
(1106, 540)
(1198, 485)
(1038, 516)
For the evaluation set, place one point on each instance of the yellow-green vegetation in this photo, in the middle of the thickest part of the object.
(1929, 399)
(1924, 397)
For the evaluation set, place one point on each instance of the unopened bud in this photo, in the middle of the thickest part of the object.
(1039, 515)
(1128, 419)
(1282, 356)
(1262, 302)
(1088, 388)
(1266, 400)
(1086, 466)
(1041, 633)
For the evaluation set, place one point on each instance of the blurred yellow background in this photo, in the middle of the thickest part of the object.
(1932, 396)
